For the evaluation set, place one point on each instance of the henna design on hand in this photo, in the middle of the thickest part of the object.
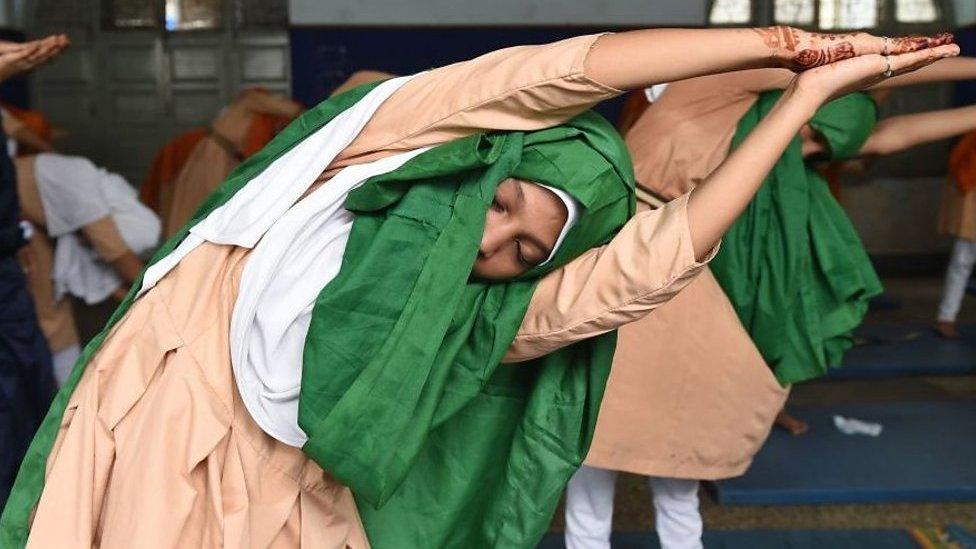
(810, 58)
(778, 37)
(907, 44)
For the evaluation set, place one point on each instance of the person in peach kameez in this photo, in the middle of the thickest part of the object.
(157, 406)
(239, 131)
(700, 407)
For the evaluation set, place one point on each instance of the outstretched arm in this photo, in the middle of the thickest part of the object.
(946, 70)
(534, 87)
(638, 59)
(658, 252)
(899, 133)
(16, 58)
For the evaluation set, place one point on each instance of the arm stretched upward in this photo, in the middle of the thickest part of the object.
(899, 133)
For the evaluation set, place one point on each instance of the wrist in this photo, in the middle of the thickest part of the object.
(780, 44)
(803, 100)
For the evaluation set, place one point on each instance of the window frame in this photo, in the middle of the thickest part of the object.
(227, 13)
(763, 14)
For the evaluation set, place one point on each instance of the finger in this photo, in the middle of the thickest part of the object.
(11, 46)
(16, 56)
(46, 49)
(39, 56)
(908, 44)
(908, 62)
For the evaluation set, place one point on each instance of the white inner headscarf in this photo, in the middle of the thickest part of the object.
(572, 216)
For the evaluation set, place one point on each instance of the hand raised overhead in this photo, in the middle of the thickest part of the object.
(835, 79)
(800, 50)
(16, 58)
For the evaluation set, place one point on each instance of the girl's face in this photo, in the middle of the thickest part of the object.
(521, 229)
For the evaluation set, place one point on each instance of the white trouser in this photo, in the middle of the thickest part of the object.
(63, 361)
(589, 510)
(957, 276)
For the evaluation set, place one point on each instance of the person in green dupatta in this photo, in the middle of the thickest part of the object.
(792, 264)
(803, 291)
(395, 393)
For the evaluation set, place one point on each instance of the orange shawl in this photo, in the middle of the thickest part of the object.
(962, 163)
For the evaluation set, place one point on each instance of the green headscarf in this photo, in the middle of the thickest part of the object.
(443, 446)
(403, 396)
(845, 123)
(792, 264)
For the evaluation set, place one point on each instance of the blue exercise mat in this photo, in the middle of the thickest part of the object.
(765, 539)
(906, 350)
(926, 452)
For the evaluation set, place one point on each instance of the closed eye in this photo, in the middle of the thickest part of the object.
(521, 255)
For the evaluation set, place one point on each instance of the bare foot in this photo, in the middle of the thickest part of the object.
(947, 329)
(793, 425)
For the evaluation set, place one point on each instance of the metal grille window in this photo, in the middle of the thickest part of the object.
(261, 13)
(725, 12)
(171, 15)
(916, 11)
(833, 15)
(848, 14)
(133, 14)
(794, 12)
(193, 14)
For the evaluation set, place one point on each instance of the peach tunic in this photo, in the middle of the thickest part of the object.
(156, 449)
(56, 317)
(689, 395)
(686, 133)
(212, 160)
(206, 168)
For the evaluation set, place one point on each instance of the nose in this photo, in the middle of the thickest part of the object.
(493, 239)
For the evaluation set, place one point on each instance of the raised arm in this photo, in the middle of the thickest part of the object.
(899, 133)
(534, 87)
(623, 60)
(20, 57)
(946, 70)
(659, 252)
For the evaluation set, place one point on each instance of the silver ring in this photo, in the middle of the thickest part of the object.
(884, 45)
(887, 72)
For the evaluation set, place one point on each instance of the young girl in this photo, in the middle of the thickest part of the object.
(301, 343)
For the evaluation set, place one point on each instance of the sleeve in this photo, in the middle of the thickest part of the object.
(519, 88)
(645, 265)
